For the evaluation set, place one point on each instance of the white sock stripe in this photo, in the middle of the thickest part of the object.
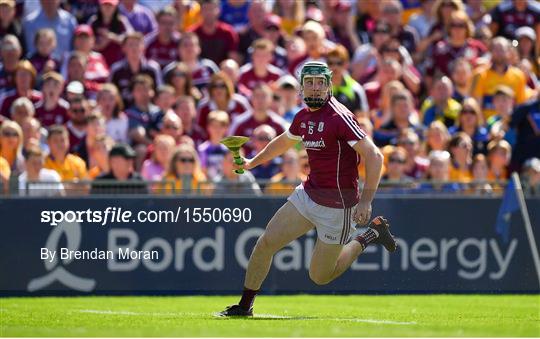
(376, 232)
(355, 129)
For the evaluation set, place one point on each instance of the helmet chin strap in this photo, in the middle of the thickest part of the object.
(315, 102)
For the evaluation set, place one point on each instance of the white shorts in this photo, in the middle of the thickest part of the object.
(334, 225)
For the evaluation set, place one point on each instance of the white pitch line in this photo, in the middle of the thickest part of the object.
(270, 316)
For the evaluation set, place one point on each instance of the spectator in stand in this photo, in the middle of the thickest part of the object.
(188, 13)
(140, 17)
(260, 69)
(5, 173)
(500, 73)
(296, 49)
(499, 124)
(509, 16)
(261, 137)
(459, 44)
(212, 152)
(34, 135)
(22, 110)
(172, 126)
(317, 46)
(461, 75)
(364, 62)
(77, 64)
(471, 121)
(154, 168)
(218, 40)
(99, 156)
(109, 26)
(526, 121)
(440, 105)
(387, 71)
(292, 14)
(235, 13)
(402, 119)
(185, 109)
(84, 41)
(52, 109)
(395, 168)
(416, 165)
(391, 12)
(122, 178)
(288, 89)
(180, 78)
(134, 64)
(272, 31)
(284, 182)
(111, 106)
(11, 144)
(165, 99)
(530, 175)
(384, 114)
(423, 20)
(10, 54)
(342, 25)
(9, 23)
(221, 96)
(143, 116)
(499, 153)
(162, 46)
(42, 59)
(344, 88)
(257, 16)
(439, 175)
(246, 123)
(368, 13)
(410, 76)
(95, 127)
(36, 180)
(460, 148)
(232, 183)
(437, 137)
(79, 108)
(231, 68)
(189, 51)
(527, 50)
(480, 184)
(50, 15)
(68, 166)
(25, 80)
(184, 172)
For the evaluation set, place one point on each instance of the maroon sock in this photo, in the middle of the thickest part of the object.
(248, 297)
(367, 237)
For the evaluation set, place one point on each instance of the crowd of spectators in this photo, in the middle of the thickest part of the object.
(143, 91)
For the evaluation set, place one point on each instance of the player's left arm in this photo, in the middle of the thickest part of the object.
(374, 161)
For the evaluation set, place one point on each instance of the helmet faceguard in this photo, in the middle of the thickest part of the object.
(318, 70)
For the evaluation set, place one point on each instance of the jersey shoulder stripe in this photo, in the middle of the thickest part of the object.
(347, 119)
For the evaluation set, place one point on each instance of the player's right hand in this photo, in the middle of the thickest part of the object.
(246, 165)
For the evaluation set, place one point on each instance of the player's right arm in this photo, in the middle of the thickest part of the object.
(275, 148)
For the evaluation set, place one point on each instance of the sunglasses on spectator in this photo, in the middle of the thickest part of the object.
(390, 50)
(10, 134)
(335, 62)
(218, 86)
(396, 160)
(186, 160)
(77, 110)
(458, 25)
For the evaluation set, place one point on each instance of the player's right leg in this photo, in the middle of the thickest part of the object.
(285, 226)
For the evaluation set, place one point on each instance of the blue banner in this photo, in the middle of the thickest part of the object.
(74, 246)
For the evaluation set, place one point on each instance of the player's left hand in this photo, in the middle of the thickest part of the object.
(362, 213)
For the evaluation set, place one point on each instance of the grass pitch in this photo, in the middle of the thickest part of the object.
(276, 316)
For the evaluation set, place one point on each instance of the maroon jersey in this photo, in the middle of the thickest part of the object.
(444, 54)
(161, 53)
(237, 105)
(39, 61)
(328, 135)
(248, 79)
(216, 46)
(112, 52)
(200, 74)
(76, 136)
(122, 75)
(56, 116)
(10, 96)
(245, 124)
(509, 19)
(373, 93)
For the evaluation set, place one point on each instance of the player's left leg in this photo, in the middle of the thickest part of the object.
(329, 261)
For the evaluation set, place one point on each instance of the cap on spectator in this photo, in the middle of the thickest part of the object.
(75, 87)
(84, 29)
(532, 164)
(10, 3)
(527, 32)
(272, 21)
(342, 6)
(122, 150)
(287, 80)
(504, 90)
(110, 2)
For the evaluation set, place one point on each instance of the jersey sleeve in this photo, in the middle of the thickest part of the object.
(293, 132)
(348, 129)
